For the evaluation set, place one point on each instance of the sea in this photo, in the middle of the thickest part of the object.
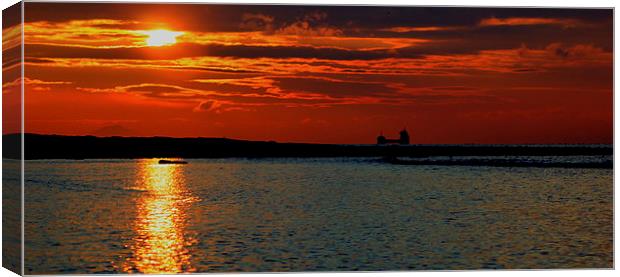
(313, 214)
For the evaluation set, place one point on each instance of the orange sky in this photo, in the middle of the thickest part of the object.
(318, 74)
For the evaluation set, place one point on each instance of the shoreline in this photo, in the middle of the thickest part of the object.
(90, 147)
(493, 162)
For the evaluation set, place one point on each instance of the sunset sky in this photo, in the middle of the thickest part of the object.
(317, 74)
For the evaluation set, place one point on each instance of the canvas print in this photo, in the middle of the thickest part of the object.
(194, 138)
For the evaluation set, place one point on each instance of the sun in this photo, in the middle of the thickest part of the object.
(161, 37)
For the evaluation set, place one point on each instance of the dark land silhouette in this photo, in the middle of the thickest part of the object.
(91, 147)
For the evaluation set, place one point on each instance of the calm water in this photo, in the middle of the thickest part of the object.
(114, 216)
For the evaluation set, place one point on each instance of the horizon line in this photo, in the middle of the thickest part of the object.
(293, 142)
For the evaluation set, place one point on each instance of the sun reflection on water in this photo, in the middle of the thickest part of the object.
(161, 242)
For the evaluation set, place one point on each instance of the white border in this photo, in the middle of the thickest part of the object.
(478, 3)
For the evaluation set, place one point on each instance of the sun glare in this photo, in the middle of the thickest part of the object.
(161, 37)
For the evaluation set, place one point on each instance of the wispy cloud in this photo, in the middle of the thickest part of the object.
(405, 29)
(523, 21)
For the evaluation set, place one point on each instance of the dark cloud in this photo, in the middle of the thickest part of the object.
(458, 29)
(209, 105)
(334, 88)
(272, 100)
(231, 88)
(211, 17)
(196, 50)
(560, 52)
(450, 99)
(453, 88)
(38, 60)
(188, 50)
(11, 56)
(525, 70)
(496, 37)
(256, 22)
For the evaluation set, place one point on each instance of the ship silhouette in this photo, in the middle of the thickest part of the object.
(402, 140)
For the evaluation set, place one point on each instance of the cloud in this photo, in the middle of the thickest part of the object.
(453, 88)
(300, 87)
(257, 22)
(11, 36)
(11, 57)
(407, 29)
(38, 61)
(310, 25)
(152, 90)
(297, 90)
(522, 21)
(29, 81)
(92, 33)
(333, 87)
(246, 86)
(209, 106)
(211, 50)
(580, 51)
(35, 83)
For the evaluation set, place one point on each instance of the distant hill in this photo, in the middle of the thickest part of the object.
(91, 147)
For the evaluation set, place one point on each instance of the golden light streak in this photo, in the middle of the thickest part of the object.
(161, 243)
